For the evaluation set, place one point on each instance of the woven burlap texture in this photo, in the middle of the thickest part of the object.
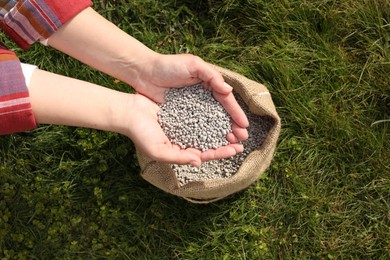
(259, 102)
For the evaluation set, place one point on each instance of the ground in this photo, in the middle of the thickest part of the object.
(76, 193)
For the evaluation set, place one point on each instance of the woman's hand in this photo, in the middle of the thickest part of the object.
(169, 71)
(147, 135)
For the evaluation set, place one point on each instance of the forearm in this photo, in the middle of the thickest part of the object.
(61, 100)
(97, 42)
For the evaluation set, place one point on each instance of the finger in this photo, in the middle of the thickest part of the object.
(232, 108)
(174, 154)
(197, 152)
(185, 156)
(232, 138)
(239, 132)
(222, 152)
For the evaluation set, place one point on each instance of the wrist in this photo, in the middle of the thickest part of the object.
(120, 112)
(132, 68)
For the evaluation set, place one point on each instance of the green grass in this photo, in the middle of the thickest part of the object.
(76, 193)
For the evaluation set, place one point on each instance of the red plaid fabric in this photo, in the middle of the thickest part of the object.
(15, 109)
(26, 22)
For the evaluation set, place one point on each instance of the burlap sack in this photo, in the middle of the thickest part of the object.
(259, 101)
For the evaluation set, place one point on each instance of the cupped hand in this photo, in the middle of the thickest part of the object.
(178, 70)
(147, 135)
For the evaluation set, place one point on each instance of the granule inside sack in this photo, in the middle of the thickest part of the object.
(182, 126)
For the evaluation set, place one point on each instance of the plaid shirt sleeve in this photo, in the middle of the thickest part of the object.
(29, 21)
(15, 109)
(26, 22)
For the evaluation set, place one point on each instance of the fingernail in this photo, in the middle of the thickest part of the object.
(195, 164)
(228, 86)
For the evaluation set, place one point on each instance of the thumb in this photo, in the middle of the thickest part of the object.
(177, 155)
(210, 76)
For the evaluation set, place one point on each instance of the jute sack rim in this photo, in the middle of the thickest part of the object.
(215, 189)
(244, 185)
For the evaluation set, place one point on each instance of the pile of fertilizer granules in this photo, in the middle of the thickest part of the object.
(191, 117)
